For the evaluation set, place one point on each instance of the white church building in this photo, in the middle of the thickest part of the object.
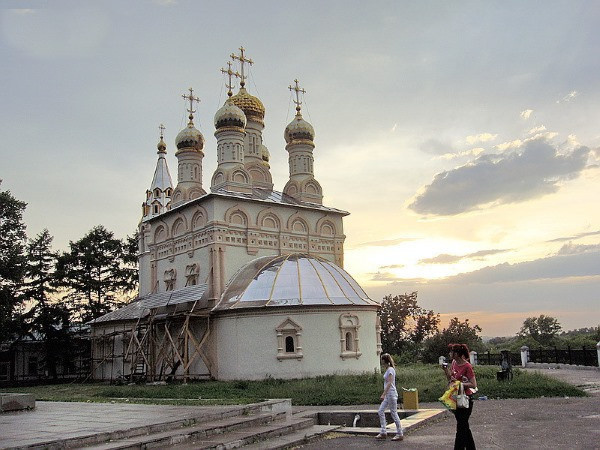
(239, 281)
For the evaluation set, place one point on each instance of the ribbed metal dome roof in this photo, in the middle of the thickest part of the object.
(291, 280)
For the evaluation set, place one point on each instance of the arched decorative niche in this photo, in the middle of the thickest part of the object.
(199, 219)
(178, 227)
(237, 215)
(218, 178)
(349, 339)
(160, 234)
(288, 340)
(239, 177)
(268, 220)
(299, 226)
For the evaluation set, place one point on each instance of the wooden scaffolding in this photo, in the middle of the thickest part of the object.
(162, 345)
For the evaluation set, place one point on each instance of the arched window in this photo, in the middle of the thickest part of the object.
(155, 209)
(288, 340)
(349, 339)
(349, 325)
(289, 345)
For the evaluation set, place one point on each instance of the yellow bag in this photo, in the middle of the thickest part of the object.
(449, 397)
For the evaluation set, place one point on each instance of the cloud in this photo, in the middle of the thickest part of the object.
(383, 276)
(567, 98)
(576, 249)
(483, 137)
(383, 243)
(533, 171)
(451, 259)
(393, 129)
(393, 266)
(537, 129)
(576, 236)
(559, 266)
(464, 154)
(526, 114)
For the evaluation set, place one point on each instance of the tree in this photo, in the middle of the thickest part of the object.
(404, 324)
(95, 273)
(543, 329)
(457, 332)
(12, 261)
(48, 318)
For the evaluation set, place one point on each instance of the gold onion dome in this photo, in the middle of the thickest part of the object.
(190, 137)
(161, 146)
(229, 115)
(252, 106)
(299, 130)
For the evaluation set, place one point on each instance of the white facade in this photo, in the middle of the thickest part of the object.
(196, 242)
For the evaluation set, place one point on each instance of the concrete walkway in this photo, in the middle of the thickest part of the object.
(54, 421)
(542, 423)
(557, 423)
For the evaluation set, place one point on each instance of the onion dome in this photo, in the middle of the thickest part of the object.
(190, 137)
(252, 106)
(299, 130)
(230, 115)
(264, 154)
(161, 146)
(291, 281)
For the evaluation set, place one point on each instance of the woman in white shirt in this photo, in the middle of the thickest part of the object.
(389, 399)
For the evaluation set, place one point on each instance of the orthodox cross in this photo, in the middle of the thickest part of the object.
(242, 59)
(298, 90)
(161, 127)
(192, 99)
(230, 73)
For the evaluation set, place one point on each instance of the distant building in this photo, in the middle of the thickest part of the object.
(242, 282)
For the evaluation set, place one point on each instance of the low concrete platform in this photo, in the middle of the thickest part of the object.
(89, 423)
(16, 402)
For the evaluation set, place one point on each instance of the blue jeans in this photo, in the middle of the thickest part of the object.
(391, 401)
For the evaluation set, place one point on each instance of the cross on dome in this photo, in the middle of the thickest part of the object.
(191, 99)
(297, 89)
(242, 59)
(230, 73)
(161, 128)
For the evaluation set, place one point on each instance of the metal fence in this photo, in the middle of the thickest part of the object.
(572, 356)
(495, 359)
(581, 357)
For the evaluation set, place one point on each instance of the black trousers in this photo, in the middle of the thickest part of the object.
(464, 437)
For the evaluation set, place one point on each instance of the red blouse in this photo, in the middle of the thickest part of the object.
(464, 373)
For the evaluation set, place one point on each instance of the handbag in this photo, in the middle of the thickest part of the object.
(462, 399)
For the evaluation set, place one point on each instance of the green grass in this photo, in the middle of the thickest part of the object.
(326, 390)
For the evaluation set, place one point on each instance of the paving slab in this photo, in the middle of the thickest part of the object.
(51, 421)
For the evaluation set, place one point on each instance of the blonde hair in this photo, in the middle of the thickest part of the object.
(387, 359)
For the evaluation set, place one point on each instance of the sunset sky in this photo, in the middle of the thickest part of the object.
(463, 137)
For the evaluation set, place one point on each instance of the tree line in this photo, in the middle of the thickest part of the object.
(44, 293)
(413, 333)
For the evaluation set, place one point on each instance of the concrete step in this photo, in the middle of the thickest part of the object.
(250, 436)
(178, 435)
(295, 439)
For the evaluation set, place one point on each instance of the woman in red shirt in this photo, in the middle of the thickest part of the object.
(460, 369)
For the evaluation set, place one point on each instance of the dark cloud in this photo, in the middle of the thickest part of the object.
(575, 249)
(530, 172)
(450, 259)
(585, 263)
